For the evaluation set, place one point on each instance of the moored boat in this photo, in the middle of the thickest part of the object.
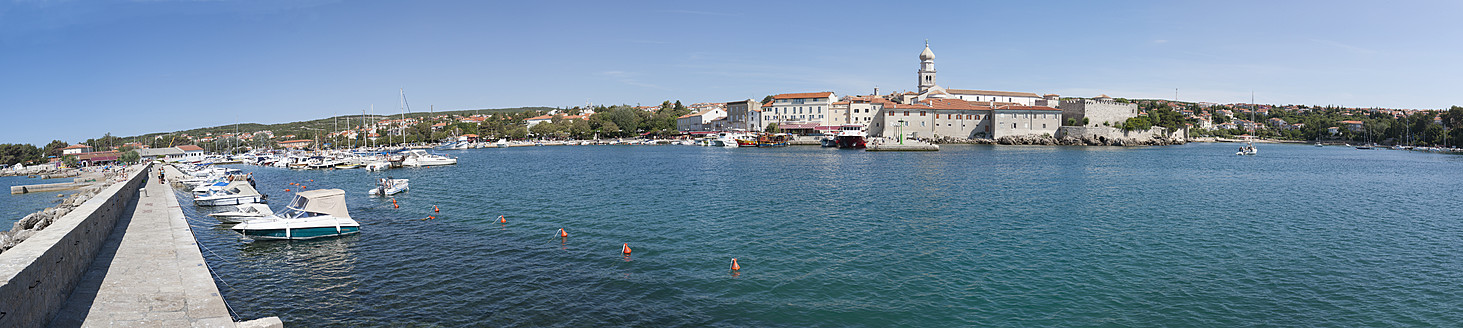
(851, 136)
(312, 214)
(243, 213)
(388, 187)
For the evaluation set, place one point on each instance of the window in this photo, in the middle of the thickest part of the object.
(906, 113)
(1013, 125)
(891, 113)
(921, 113)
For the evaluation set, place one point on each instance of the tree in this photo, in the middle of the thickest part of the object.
(129, 157)
(54, 148)
(772, 128)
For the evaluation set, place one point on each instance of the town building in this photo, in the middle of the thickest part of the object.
(296, 144)
(744, 115)
(799, 110)
(702, 120)
(1355, 126)
(75, 149)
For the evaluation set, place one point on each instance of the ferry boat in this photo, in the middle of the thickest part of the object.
(851, 136)
(312, 214)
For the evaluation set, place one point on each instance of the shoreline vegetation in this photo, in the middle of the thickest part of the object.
(1204, 122)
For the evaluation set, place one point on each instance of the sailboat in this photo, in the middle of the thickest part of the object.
(1249, 148)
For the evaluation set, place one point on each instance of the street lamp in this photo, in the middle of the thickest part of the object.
(899, 130)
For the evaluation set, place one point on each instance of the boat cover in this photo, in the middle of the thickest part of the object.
(241, 188)
(327, 201)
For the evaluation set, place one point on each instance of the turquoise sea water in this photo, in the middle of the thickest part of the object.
(15, 207)
(968, 236)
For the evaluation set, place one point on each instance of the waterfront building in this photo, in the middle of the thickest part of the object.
(1098, 112)
(858, 109)
(702, 121)
(744, 115)
(75, 149)
(799, 110)
(191, 150)
(938, 118)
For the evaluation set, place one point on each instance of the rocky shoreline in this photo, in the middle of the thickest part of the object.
(35, 222)
(1065, 141)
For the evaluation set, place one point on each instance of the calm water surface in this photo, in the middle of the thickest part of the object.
(15, 207)
(968, 236)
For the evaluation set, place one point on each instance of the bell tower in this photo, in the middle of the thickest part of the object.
(926, 68)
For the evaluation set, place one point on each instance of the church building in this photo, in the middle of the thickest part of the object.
(936, 112)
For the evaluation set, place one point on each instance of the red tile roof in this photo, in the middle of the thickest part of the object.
(190, 148)
(824, 94)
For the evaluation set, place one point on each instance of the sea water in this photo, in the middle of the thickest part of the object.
(971, 235)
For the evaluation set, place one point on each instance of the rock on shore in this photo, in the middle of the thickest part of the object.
(30, 224)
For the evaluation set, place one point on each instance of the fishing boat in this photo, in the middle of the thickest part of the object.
(419, 158)
(243, 213)
(851, 136)
(388, 187)
(235, 193)
(312, 214)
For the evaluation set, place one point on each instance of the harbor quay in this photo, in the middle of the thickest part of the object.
(124, 258)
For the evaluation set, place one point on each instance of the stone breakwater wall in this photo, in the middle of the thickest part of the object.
(59, 245)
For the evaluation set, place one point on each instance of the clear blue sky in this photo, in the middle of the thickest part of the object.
(73, 70)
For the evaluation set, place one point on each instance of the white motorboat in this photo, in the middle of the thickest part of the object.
(1248, 150)
(418, 158)
(235, 193)
(502, 143)
(243, 213)
(312, 214)
(388, 187)
(378, 166)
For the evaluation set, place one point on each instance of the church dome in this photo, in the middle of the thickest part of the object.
(927, 54)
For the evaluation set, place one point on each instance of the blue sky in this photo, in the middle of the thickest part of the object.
(73, 70)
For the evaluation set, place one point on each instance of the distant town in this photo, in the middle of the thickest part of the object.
(932, 113)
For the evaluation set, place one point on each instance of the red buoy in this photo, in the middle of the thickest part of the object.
(626, 249)
(734, 265)
(435, 209)
(501, 219)
(286, 190)
(563, 234)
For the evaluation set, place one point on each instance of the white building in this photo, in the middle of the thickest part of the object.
(858, 110)
(799, 109)
(700, 121)
(929, 89)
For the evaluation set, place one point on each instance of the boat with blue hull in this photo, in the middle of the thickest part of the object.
(312, 214)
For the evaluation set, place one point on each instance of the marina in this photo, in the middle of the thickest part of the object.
(482, 239)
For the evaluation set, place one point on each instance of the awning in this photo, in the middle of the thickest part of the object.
(798, 126)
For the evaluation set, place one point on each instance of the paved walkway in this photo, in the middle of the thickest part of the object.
(149, 273)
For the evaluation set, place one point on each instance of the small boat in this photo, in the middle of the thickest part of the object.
(1248, 149)
(243, 213)
(378, 166)
(388, 187)
(312, 214)
(828, 142)
(1318, 144)
(235, 193)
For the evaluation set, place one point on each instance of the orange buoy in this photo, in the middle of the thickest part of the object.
(435, 209)
(286, 190)
(626, 249)
(501, 219)
(734, 265)
(563, 234)
(396, 206)
(312, 180)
